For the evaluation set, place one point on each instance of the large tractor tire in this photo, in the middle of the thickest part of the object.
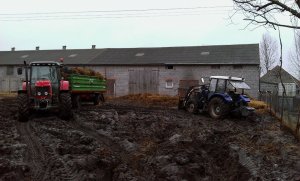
(192, 106)
(23, 107)
(65, 106)
(217, 108)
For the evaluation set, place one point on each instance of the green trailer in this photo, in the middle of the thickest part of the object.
(85, 88)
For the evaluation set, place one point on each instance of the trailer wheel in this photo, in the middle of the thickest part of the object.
(96, 99)
(217, 108)
(192, 106)
(65, 106)
(23, 107)
(76, 102)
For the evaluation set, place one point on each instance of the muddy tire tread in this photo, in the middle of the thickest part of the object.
(65, 106)
(23, 107)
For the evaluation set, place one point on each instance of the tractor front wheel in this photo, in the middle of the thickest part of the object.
(65, 106)
(23, 107)
(217, 108)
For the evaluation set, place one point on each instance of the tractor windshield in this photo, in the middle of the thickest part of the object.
(43, 73)
(238, 84)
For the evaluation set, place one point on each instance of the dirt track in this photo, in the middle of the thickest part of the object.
(119, 141)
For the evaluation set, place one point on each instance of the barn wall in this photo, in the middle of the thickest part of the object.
(9, 83)
(121, 76)
(250, 73)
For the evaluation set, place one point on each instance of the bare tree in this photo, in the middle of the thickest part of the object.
(295, 52)
(268, 53)
(265, 12)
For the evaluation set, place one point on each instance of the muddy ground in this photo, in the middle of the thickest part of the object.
(123, 141)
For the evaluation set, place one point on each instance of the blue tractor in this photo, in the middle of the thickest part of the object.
(223, 95)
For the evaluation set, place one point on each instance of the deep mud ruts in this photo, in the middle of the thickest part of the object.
(120, 141)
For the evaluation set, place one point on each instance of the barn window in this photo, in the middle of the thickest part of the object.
(237, 66)
(169, 84)
(169, 67)
(215, 66)
(10, 70)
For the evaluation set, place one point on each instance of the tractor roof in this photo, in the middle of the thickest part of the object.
(236, 82)
(45, 63)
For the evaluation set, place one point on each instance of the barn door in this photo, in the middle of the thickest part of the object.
(143, 81)
(110, 83)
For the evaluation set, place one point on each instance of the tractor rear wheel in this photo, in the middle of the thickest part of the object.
(192, 106)
(217, 108)
(65, 106)
(23, 107)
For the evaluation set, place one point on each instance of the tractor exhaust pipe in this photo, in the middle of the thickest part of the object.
(26, 78)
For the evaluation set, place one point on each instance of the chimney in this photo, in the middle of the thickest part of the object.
(13, 49)
(37, 48)
(64, 47)
(93, 46)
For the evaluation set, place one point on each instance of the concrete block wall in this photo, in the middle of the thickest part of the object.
(121, 75)
(250, 73)
(9, 83)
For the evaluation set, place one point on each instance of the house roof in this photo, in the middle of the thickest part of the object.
(217, 54)
(273, 76)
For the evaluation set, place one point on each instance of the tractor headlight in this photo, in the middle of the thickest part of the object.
(46, 93)
(39, 93)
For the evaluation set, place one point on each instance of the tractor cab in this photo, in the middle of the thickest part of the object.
(223, 95)
(230, 88)
(42, 83)
(44, 78)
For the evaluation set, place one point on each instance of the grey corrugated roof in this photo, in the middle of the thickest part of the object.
(79, 56)
(217, 54)
(272, 76)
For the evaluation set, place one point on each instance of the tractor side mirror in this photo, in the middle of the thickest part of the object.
(20, 71)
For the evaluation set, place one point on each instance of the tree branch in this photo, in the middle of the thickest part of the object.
(272, 23)
(264, 11)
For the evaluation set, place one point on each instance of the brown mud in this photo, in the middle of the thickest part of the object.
(125, 141)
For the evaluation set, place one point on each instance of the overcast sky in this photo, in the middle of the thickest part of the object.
(51, 24)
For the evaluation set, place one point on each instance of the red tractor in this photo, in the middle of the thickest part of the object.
(43, 88)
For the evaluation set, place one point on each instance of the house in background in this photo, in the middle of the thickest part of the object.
(271, 82)
(159, 70)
